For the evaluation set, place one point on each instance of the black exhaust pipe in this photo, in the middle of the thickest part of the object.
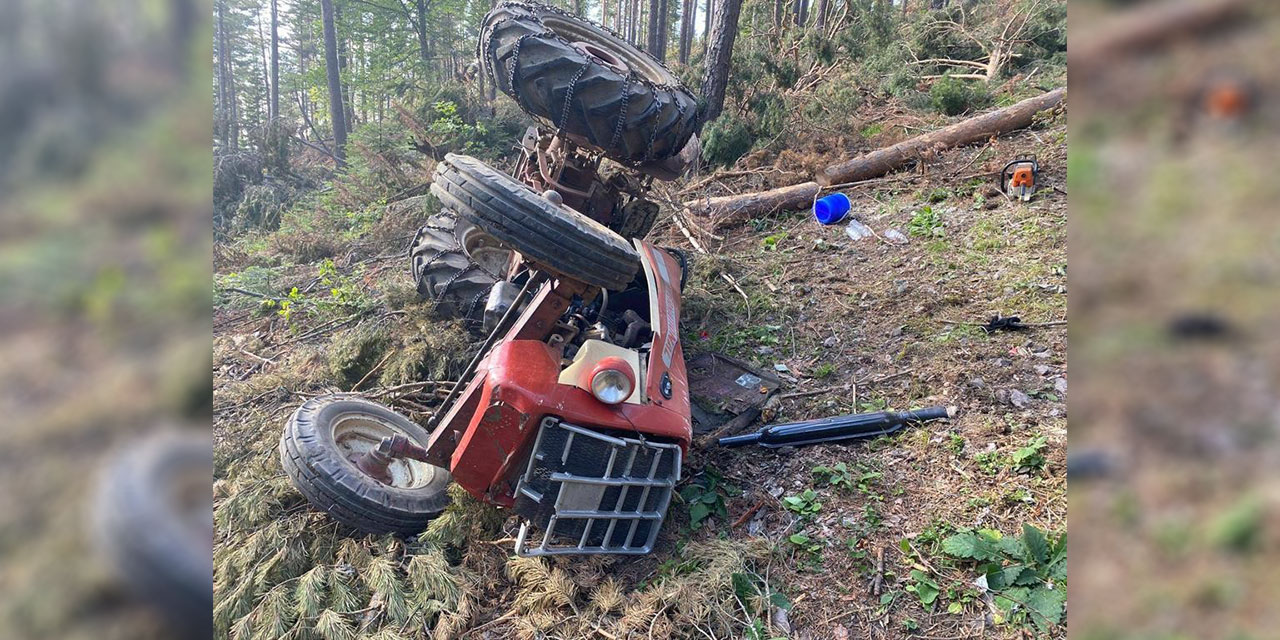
(836, 428)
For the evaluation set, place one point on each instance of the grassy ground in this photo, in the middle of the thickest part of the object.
(861, 325)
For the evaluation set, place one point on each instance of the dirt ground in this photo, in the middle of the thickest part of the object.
(855, 325)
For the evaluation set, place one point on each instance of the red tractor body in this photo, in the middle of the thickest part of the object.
(488, 438)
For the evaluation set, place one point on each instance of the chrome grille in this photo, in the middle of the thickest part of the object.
(589, 492)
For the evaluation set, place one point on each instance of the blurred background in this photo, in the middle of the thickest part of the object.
(1174, 481)
(105, 260)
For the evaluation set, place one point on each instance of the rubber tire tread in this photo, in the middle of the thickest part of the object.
(659, 120)
(553, 236)
(315, 467)
(465, 297)
(145, 539)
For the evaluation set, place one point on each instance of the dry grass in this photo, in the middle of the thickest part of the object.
(863, 324)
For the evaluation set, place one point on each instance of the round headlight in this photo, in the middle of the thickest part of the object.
(612, 382)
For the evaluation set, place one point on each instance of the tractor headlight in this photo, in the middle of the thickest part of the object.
(612, 380)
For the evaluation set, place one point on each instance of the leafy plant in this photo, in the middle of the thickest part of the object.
(805, 544)
(954, 96)
(873, 404)
(835, 476)
(727, 139)
(824, 370)
(925, 223)
(924, 587)
(867, 480)
(755, 596)
(989, 462)
(1027, 574)
(706, 495)
(805, 504)
(1030, 457)
(770, 243)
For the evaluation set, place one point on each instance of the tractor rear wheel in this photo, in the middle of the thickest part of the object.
(454, 264)
(550, 235)
(587, 82)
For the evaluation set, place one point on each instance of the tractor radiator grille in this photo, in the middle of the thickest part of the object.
(588, 492)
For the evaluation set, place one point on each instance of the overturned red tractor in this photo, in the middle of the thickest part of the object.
(575, 410)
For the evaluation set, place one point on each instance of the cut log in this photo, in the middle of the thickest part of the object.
(727, 210)
(975, 129)
(1151, 26)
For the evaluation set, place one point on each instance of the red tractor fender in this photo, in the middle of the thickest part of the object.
(521, 386)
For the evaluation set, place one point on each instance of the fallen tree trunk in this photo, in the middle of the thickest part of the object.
(975, 129)
(1149, 27)
(726, 210)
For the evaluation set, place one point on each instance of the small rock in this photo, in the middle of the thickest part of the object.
(977, 383)
(1018, 398)
(1042, 369)
(1002, 396)
(781, 621)
(780, 368)
(897, 331)
(1060, 385)
(775, 492)
(848, 522)
(764, 351)
(895, 236)
(830, 342)
(1003, 362)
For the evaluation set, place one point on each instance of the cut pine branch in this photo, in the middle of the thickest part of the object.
(975, 129)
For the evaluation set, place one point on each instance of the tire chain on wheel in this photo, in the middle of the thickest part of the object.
(469, 310)
(487, 53)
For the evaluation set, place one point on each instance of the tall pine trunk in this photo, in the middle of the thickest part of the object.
(664, 29)
(654, 13)
(336, 112)
(420, 26)
(657, 42)
(821, 18)
(724, 30)
(686, 29)
(275, 62)
(706, 23)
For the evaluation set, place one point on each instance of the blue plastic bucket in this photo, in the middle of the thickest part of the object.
(831, 209)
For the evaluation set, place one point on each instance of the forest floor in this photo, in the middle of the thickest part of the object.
(859, 325)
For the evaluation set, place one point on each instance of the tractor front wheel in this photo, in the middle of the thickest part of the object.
(321, 445)
(550, 235)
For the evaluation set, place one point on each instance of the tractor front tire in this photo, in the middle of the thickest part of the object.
(550, 235)
(316, 451)
(154, 526)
